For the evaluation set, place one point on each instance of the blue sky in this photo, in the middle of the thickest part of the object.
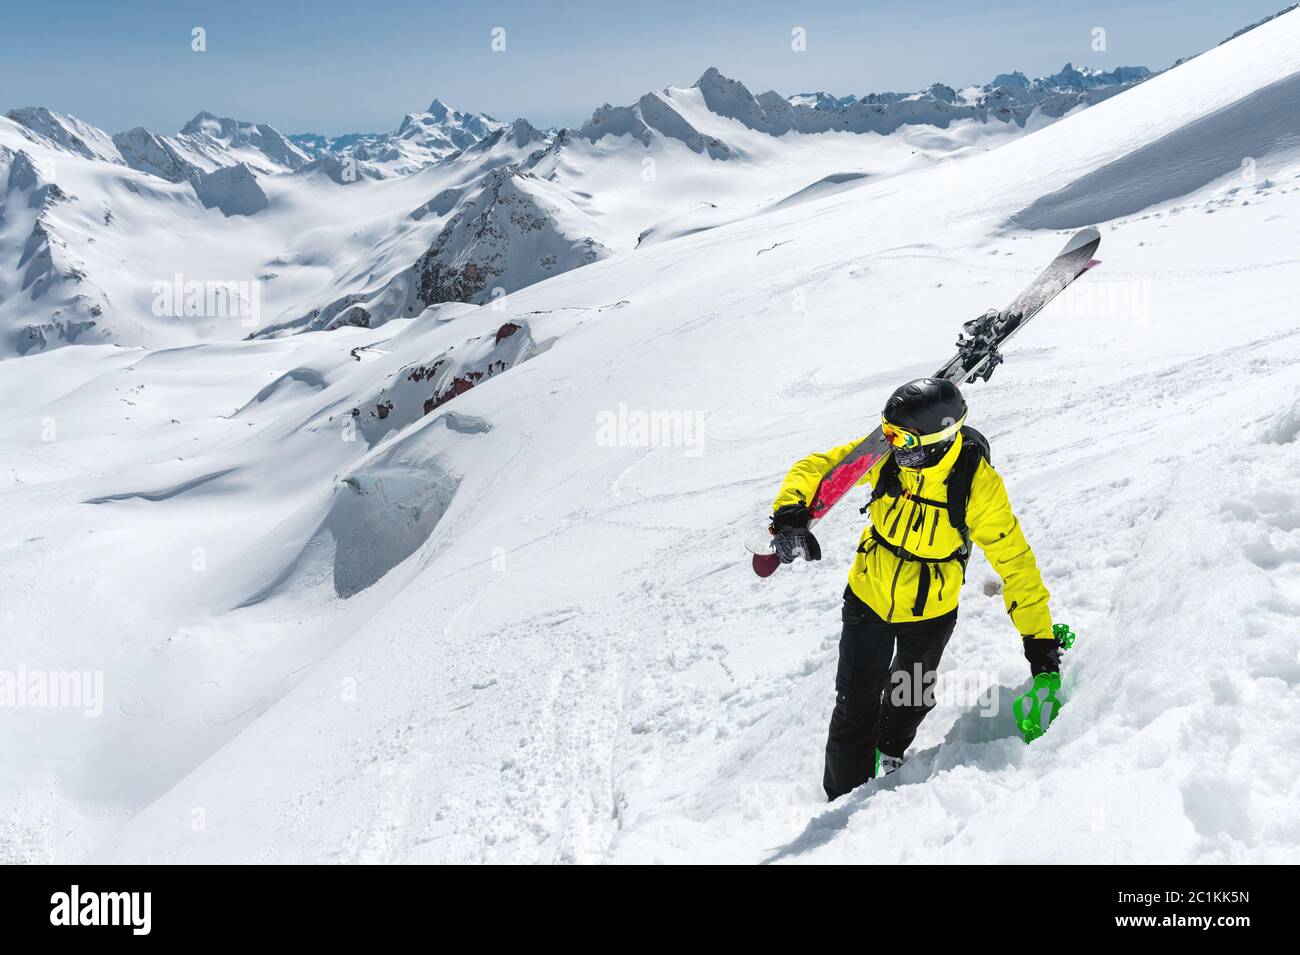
(331, 66)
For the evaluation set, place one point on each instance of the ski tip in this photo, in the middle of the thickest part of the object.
(1081, 238)
(765, 565)
(1093, 263)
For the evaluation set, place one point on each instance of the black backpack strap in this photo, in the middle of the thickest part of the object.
(974, 449)
(888, 482)
(922, 590)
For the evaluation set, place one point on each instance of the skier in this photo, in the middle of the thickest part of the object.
(932, 495)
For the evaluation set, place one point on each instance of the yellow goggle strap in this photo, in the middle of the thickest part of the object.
(923, 439)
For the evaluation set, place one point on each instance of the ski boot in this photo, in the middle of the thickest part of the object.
(886, 764)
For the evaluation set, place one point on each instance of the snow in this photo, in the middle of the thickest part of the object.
(503, 631)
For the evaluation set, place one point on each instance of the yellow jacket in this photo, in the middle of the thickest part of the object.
(890, 585)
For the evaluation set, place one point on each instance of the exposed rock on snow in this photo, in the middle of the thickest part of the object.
(37, 337)
(46, 270)
(516, 230)
(142, 150)
(423, 387)
(27, 178)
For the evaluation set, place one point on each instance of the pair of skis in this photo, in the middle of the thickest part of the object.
(978, 354)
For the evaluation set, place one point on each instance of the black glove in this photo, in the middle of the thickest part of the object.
(1043, 654)
(791, 537)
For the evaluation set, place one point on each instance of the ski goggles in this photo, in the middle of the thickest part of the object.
(906, 439)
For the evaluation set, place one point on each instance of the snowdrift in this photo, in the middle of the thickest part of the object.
(1260, 129)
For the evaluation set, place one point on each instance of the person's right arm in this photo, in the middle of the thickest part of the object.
(800, 485)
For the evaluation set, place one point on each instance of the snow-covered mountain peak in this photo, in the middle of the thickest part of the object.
(441, 111)
(66, 132)
(940, 92)
(821, 101)
(419, 141)
(1010, 98)
(731, 98)
(440, 120)
(206, 124)
(520, 133)
(218, 137)
(1013, 79)
(1070, 77)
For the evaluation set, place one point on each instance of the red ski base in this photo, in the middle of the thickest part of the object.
(765, 565)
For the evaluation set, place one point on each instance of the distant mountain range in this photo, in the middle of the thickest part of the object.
(208, 142)
(421, 140)
(487, 207)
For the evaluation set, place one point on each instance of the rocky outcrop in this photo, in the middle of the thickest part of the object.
(51, 279)
(142, 150)
(420, 389)
(516, 230)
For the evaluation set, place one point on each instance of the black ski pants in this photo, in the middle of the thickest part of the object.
(873, 707)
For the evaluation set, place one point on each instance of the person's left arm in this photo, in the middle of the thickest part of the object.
(996, 529)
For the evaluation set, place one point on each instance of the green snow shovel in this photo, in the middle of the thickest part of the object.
(1035, 710)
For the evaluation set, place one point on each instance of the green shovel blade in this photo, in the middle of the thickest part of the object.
(1035, 710)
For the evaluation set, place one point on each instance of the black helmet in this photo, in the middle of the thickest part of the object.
(921, 419)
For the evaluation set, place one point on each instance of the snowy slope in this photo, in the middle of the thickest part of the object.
(498, 622)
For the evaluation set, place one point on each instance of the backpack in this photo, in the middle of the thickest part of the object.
(974, 448)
